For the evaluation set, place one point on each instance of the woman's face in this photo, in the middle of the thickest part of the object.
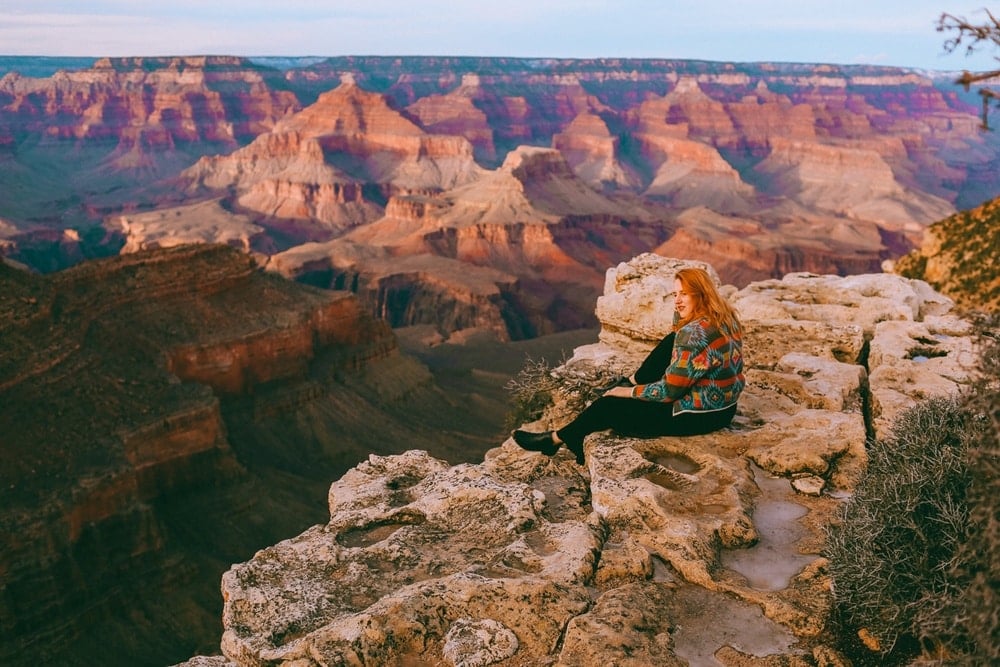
(683, 301)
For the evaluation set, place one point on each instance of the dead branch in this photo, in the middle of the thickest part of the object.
(973, 36)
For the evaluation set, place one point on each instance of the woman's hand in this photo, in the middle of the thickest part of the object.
(621, 392)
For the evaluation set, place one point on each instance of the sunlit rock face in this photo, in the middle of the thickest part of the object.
(958, 257)
(519, 252)
(313, 164)
(761, 169)
(527, 559)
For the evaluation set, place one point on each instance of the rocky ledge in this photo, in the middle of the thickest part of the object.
(667, 551)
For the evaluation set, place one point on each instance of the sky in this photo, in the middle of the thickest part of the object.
(880, 32)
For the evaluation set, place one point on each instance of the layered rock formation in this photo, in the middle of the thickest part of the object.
(517, 252)
(140, 395)
(831, 168)
(318, 164)
(665, 551)
(83, 143)
(214, 100)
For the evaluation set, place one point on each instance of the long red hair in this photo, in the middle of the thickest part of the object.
(708, 303)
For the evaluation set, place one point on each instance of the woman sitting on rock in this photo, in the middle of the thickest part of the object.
(687, 385)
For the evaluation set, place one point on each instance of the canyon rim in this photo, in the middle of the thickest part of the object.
(161, 392)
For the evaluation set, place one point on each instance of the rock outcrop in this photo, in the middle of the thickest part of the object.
(205, 222)
(959, 257)
(659, 551)
(593, 153)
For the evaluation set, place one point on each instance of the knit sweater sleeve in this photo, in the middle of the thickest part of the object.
(690, 361)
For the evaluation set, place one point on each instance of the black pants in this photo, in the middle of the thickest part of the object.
(644, 419)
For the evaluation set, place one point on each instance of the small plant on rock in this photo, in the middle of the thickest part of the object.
(531, 391)
(537, 384)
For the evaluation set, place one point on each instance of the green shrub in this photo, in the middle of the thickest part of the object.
(914, 557)
(902, 529)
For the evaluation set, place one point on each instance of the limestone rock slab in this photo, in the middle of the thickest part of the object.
(440, 544)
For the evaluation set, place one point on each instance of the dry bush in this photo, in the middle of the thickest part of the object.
(915, 556)
(537, 384)
(977, 609)
(531, 391)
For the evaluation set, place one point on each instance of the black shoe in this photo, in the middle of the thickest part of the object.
(577, 449)
(536, 442)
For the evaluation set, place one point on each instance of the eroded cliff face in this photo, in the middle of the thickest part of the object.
(139, 395)
(215, 100)
(835, 168)
(518, 253)
(306, 165)
(666, 551)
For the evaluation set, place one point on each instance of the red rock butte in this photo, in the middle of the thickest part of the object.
(400, 177)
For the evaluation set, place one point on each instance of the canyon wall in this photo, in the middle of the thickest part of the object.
(139, 395)
(763, 168)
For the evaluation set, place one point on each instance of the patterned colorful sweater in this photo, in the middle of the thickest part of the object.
(705, 372)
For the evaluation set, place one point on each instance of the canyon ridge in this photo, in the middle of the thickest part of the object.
(485, 193)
